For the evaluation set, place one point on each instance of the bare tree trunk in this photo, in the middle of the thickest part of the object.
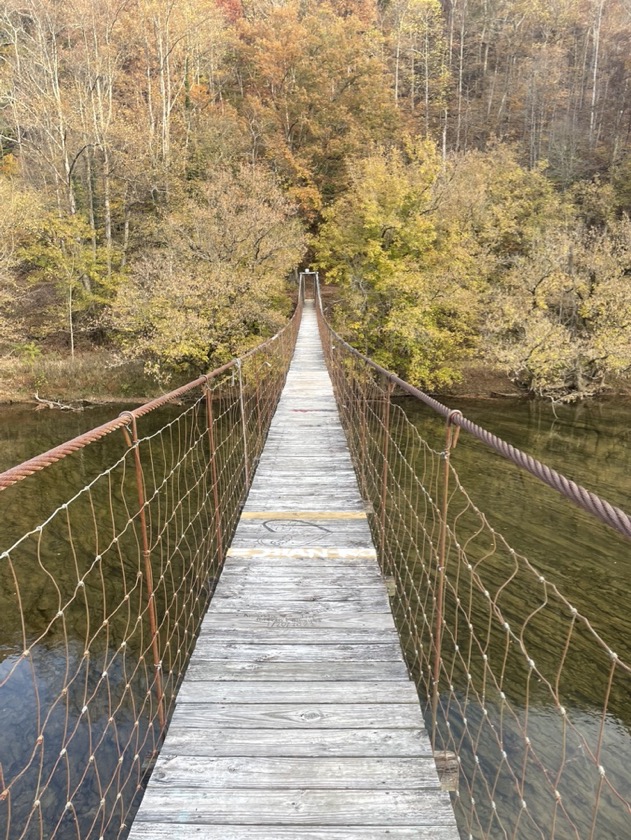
(70, 324)
(596, 39)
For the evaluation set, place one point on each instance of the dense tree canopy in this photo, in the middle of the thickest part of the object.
(462, 169)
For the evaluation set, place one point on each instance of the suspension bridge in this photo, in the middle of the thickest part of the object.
(275, 610)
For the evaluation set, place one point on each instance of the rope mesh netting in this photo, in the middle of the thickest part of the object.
(100, 604)
(499, 654)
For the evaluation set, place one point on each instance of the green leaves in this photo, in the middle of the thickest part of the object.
(400, 266)
(212, 283)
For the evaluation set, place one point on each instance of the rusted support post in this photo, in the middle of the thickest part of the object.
(259, 424)
(244, 426)
(363, 441)
(213, 472)
(133, 443)
(5, 793)
(388, 389)
(451, 439)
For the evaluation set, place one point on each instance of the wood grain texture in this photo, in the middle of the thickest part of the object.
(279, 773)
(240, 691)
(298, 716)
(201, 669)
(292, 633)
(300, 576)
(212, 650)
(350, 607)
(272, 555)
(168, 831)
(360, 743)
(297, 719)
(296, 807)
(371, 600)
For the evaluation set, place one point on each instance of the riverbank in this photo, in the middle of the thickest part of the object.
(92, 378)
(99, 377)
(482, 382)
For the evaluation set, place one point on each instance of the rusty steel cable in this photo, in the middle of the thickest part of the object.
(591, 502)
(503, 660)
(21, 471)
(101, 602)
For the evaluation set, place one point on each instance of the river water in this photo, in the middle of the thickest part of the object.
(74, 670)
(591, 566)
(591, 443)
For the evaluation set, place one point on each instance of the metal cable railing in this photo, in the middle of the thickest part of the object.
(494, 646)
(101, 602)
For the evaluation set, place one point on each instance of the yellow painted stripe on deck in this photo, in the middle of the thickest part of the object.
(303, 514)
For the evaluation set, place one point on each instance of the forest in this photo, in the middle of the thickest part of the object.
(460, 170)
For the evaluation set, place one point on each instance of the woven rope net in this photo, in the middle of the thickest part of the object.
(499, 654)
(101, 602)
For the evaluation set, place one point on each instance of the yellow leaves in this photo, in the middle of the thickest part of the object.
(9, 166)
(214, 283)
(401, 270)
(562, 320)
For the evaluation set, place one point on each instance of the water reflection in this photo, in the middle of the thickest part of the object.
(77, 679)
(54, 690)
(589, 563)
(502, 716)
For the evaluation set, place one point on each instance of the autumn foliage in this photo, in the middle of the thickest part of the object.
(460, 169)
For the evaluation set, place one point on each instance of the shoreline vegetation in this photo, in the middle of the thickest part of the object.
(461, 172)
(101, 377)
(94, 377)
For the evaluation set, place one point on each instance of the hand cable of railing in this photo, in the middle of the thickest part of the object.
(39, 462)
(611, 515)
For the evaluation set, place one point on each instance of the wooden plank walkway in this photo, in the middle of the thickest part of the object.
(296, 719)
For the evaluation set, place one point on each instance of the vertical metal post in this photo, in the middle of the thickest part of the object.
(259, 425)
(244, 426)
(388, 389)
(363, 441)
(132, 442)
(451, 439)
(213, 472)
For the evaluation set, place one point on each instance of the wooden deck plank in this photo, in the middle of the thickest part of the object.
(279, 773)
(169, 831)
(212, 650)
(307, 607)
(200, 669)
(299, 577)
(318, 591)
(296, 807)
(214, 691)
(297, 716)
(297, 743)
(249, 621)
(296, 635)
(297, 719)
(274, 555)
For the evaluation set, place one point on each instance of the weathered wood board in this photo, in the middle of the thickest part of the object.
(242, 691)
(297, 719)
(169, 831)
(297, 743)
(296, 807)
(200, 669)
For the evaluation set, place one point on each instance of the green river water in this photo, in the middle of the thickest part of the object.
(591, 566)
(591, 443)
